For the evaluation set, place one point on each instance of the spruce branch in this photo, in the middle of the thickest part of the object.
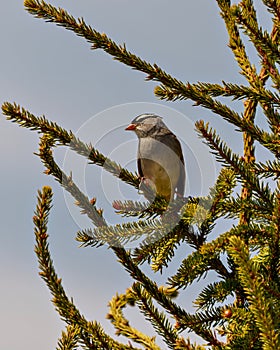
(242, 169)
(17, 114)
(271, 168)
(207, 257)
(269, 141)
(255, 233)
(240, 92)
(60, 136)
(274, 244)
(129, 208)
(200, 97)
(122, 325)
(249, 159)
(216, 292)
(49, 13)
(237, 92)
(120, 234)
(236, 44)
(69, 339)
(244, 15)
(184, 319)
(249, 116)
(45, 153)
(233, 207)
(158, 319)
(91, 334)
(61, 17)
(225, 183)
(196, 261)
(261, 304)
(123, 256)
(240, 329)
(195, 266)
(268, 50)
(159, 206)
(201, 322)
(161, 250)
(97, 158)
(273, 7)
(186, 344)
(159, 243)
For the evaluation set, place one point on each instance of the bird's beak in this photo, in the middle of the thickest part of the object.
(131, 127)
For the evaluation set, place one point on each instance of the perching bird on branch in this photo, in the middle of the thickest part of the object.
(160, 158)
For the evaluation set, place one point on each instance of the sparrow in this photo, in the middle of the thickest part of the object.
(160, 159)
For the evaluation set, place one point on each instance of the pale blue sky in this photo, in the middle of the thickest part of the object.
(50, 71)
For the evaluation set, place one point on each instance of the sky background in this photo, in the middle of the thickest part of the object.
(51, 71)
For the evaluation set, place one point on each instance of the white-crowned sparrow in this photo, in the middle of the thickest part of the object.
(160, 158)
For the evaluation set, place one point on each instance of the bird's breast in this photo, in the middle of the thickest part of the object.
(160, 164)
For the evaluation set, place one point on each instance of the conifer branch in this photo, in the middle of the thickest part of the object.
(19, 115)
(158, 319)
(261, 304)
(159, 206)
(120, 234)
(249, 159)
(240, 92)
(122, 325)
(129, 208)
(125, 258)
(225, 183)
(201, 322)
(240, 330)
(200, 96)
(69, 339)
(237, 92)
(228, 14)
(216, 292)
(242, 169)
(273, 7)
(161, 250)
(61, 17)
(254, 232)
(67, 182)
(91, 334)
(49, 13)
(206, 258)
(233, 207)
(195, 266)
(274, 244)
(267, 49)
(269, 169)
(186, 320)
(192, 264)
(186, 344)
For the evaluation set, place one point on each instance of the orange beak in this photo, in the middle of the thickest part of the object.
(131, 127)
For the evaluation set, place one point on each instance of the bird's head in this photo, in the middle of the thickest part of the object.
(146, 125)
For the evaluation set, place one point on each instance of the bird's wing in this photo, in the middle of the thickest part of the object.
(182, 179)
(139, 165)
(173, 143)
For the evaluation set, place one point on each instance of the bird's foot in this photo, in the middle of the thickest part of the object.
(148, 188)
